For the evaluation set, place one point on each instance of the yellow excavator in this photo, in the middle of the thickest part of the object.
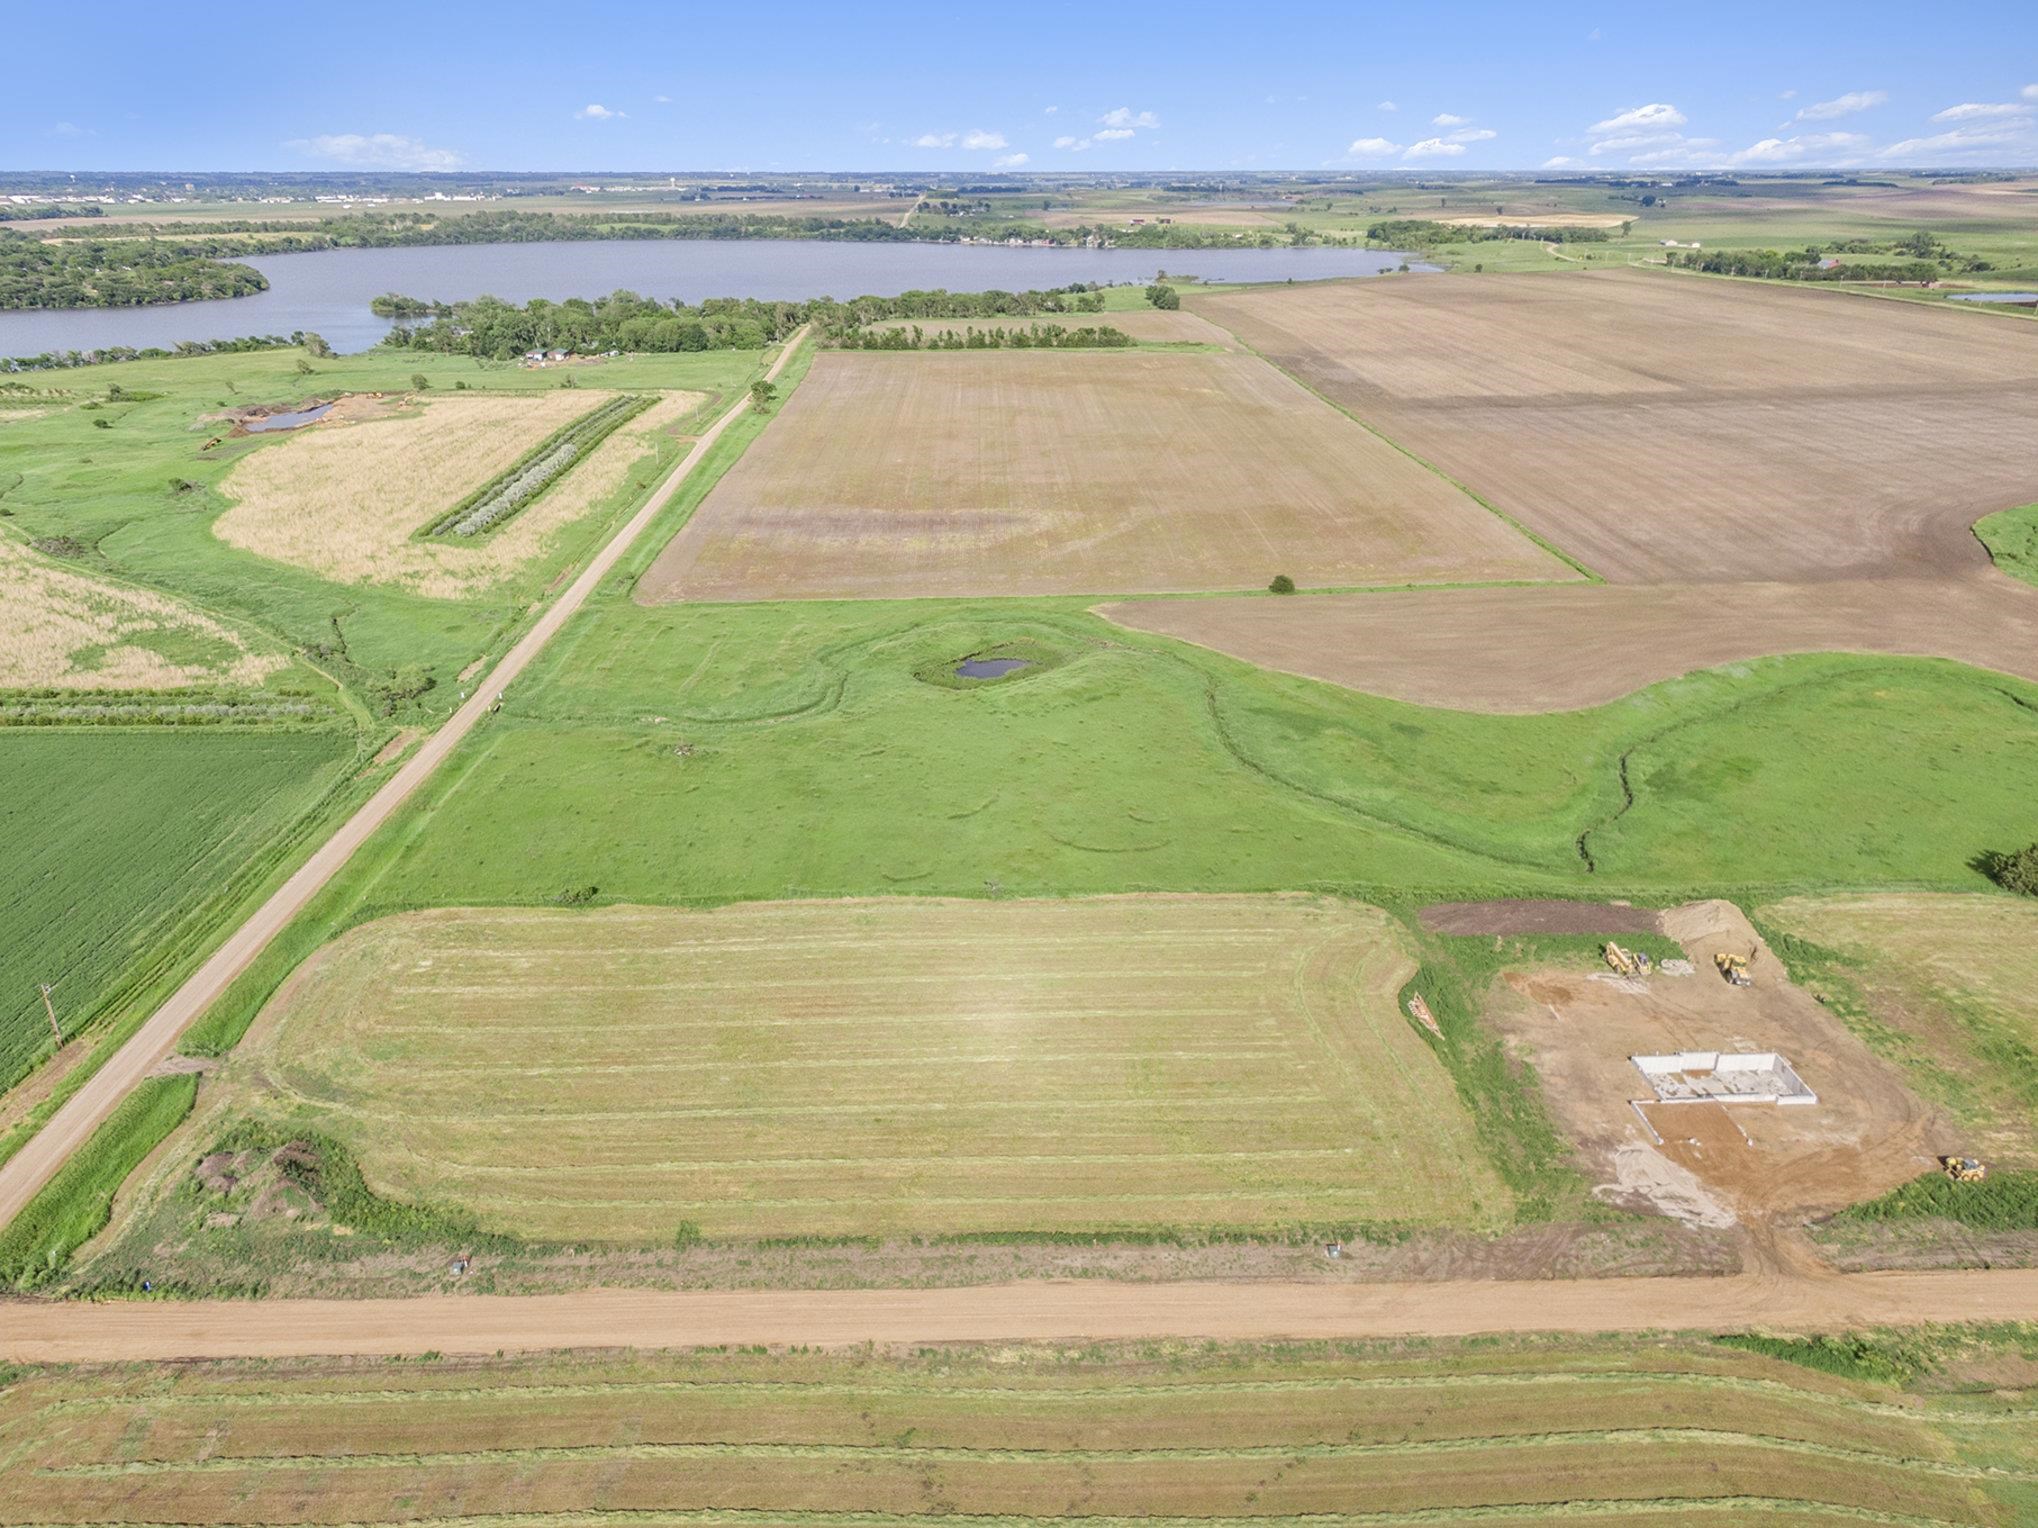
(1733, 969)
(1965, 1169)
(1622, 961)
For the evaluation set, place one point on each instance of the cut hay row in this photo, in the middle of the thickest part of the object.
(64, 629)
(1012, 1436)
(495, 501)
(872, 1068)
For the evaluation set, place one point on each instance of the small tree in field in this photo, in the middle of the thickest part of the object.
(420, 381)
(1163, 296)
(763, 395)
(2017, 872)
(1282, 584)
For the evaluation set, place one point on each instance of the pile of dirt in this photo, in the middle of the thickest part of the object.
(1538, 916)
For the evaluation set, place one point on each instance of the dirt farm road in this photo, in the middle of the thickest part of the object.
(72, 1125)
(1796, 1300)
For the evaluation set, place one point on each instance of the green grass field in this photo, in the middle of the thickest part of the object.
(1660, 1433)
(112, 490)
(115, 841)
(816, 762)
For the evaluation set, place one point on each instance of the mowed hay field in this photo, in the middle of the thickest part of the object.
(1176, 326)
(62, 628)
(1663, 1433)
(1665, 428)
(1030, 472)
(885, 1067)
(348, 497)
(1953, 984)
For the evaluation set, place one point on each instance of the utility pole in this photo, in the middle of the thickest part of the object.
(50, 1008)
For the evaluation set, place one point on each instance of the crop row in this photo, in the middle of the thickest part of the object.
(502, 496)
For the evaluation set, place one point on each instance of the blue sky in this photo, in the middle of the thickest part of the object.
(450, 84)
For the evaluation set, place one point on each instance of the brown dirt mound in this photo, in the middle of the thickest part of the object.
(1537, 916)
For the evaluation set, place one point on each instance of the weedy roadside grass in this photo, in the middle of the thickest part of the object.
(75, 1204)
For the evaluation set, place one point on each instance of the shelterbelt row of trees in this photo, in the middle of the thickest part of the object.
(1424, 233)
(113, 273)
(490, 327)
(1803, 265)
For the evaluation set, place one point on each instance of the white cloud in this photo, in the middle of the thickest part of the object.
(1010, 161)
(1987, 142)
(1433, 148)
(1067, 142)
(977, 138)
(2029, 92)
(1448, 119)
(661, 100)
(1593, 35)
(1050, 111)
(1823, 148)
(935, 141)
(1108, 134)
(1981, 111)
(1786, 95)
(1558, 162)
(1841, 106)
(1655, 117)
(1473, 135)
(1373, 148)
(1125, 116)
(594, 111)
(377, 151)
(1390, 106)
(1627, 143)
(66, 130)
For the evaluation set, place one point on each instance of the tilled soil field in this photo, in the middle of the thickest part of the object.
(1560, 648)
(1031, 472)
(893, 1067)
(1667, 429)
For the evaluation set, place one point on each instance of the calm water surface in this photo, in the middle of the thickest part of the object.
(329, 291)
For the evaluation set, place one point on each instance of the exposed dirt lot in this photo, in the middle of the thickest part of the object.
(1670, 429)
(899, 1066)
(1013, 1435)
(1538, 916)
(1032, 472)
(347, 497)
(1559, 648)
(1758, 1164)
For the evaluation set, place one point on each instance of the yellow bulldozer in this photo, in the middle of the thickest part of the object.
(1733, 969)
(1964, 1169)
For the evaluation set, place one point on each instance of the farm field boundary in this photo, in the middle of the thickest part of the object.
(31, 1167)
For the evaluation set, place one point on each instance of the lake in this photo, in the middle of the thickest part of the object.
(329, 291)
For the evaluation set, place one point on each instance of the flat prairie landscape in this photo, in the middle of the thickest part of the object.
(1029, 472)
(1652, 1433)
(1664, 428)
(889, 1067)
(349, 497)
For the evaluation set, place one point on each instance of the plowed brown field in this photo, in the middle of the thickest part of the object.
(1667, 429)
(1558, 648)
(1036, 472)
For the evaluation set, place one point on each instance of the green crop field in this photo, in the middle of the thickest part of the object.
(112, 840)
(139, 498)
(1669, 1432)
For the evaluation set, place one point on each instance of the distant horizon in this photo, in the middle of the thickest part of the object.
(1483, 86)
(1021, 177)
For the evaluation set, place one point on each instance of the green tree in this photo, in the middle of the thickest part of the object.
(762, 395)
(1163, 296)
(420, 381)
(2017, 872)
(1282, 584)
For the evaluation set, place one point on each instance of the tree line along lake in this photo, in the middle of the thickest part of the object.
(329, 291)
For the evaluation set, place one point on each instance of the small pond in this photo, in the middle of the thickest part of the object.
(286, 421)
(989, 668)
(2022, 299)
